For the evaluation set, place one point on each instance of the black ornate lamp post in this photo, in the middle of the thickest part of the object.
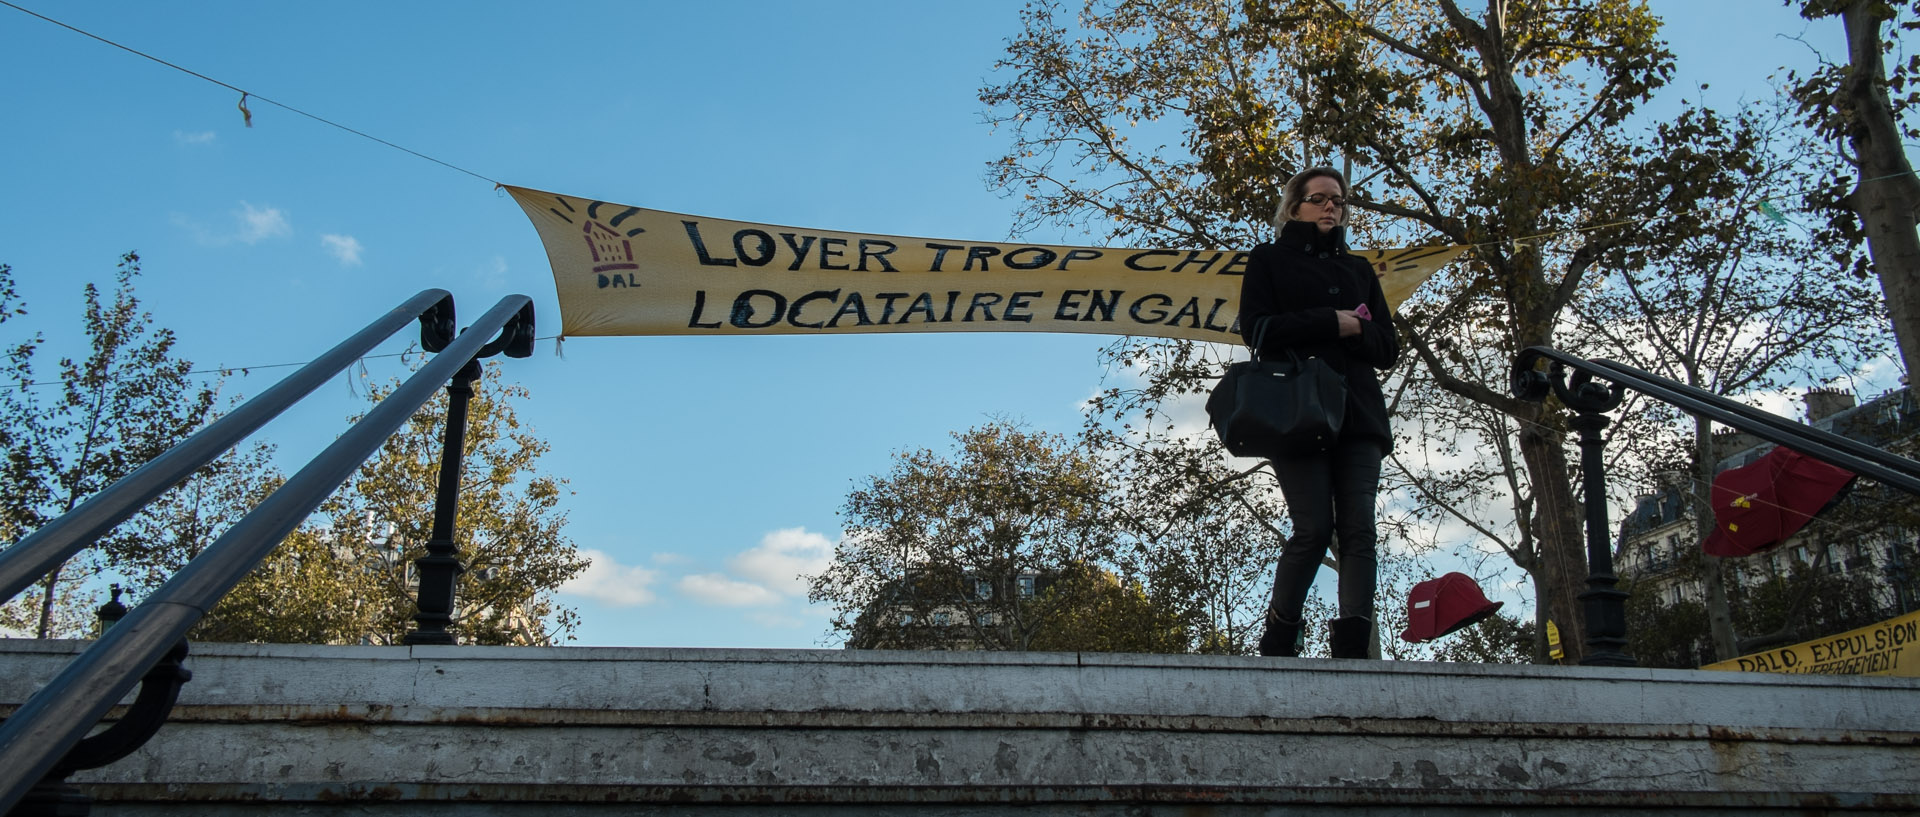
(1603, 604)
(439, 569)
(112, 611)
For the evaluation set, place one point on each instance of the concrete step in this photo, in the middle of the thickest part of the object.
(509, 731)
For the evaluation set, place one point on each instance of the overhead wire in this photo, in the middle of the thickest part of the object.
(246, 94)
(226, 371)
(247, 113)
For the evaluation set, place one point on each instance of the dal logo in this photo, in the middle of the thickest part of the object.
(608, 244)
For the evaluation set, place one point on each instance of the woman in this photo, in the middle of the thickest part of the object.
(1318, 300)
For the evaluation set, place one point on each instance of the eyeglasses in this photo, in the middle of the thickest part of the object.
(1318, 199)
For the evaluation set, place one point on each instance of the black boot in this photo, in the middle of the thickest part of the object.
(1350, 637)
(1282, 637)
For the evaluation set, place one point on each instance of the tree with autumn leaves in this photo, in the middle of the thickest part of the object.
(1021, 540)
(1509, 126)
(343, 576)
(93, 421)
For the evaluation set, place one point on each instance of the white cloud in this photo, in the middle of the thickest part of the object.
(251, 225)
(783, 560)
(344, 247)
(200, 138)
(260, 223)
(606, 580)
(717, 589)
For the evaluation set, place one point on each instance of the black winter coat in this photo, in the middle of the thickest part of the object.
(1300, 280)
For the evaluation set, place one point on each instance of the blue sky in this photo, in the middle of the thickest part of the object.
(706, 471)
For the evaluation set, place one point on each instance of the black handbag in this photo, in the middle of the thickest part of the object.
(1278, 408)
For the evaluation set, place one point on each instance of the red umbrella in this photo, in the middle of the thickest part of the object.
(1436, 607)
(1761, 504)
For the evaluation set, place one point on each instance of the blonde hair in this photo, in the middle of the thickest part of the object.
(1295, 192)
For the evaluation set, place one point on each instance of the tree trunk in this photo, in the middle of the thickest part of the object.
(1719, 610)
(1542, 650)
(45, 630)
(1557, 534)
(1887, 196)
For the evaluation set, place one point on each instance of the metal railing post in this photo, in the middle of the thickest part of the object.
(439, 569)
(1603, 605)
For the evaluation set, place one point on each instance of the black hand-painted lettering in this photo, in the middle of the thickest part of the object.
(832, 248)
(743, 311)
(1217, 303)
(1205, 258)
(1158, 313)
(1133, 261)
(1189, 310)
(1069, 308)
(700, 247)
(1039, 257)
(699, 305)
(922, 303)
(886, 307)
(870, 249)
(984, 302)
(1102, 307)
(1078, 255)
(1017, 305)
(854, 306)
(800, 249)
(940, 253)
(757, 257)
(793, 315)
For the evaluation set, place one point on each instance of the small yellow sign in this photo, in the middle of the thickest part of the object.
(1553, 641)
(1891, 647)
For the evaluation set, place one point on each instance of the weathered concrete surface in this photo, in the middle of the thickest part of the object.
(511, 731)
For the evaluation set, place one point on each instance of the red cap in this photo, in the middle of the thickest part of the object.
(1439, 606)
(1763, 503)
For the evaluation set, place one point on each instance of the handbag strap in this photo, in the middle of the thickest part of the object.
(1260, 338)
(1260, 335)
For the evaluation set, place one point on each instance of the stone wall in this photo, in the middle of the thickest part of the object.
(510, 731)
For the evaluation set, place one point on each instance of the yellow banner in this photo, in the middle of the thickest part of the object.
(1881, 649)
(624, 270)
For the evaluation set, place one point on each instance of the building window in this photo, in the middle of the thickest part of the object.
(983, 619)
(983, 589)
(906, 619)
(1026, 587)
(940, 619)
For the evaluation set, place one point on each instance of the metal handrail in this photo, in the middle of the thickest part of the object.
(53, 544)
(1871, 461)
(1853, 455)
(51, 722)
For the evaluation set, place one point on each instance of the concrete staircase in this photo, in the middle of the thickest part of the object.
(281, 729)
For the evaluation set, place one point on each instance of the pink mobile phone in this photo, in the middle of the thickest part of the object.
(1362, 311)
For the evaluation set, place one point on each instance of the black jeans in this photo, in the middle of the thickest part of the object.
(1328, 494)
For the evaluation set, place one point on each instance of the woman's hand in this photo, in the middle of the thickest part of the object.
(1349, 322)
